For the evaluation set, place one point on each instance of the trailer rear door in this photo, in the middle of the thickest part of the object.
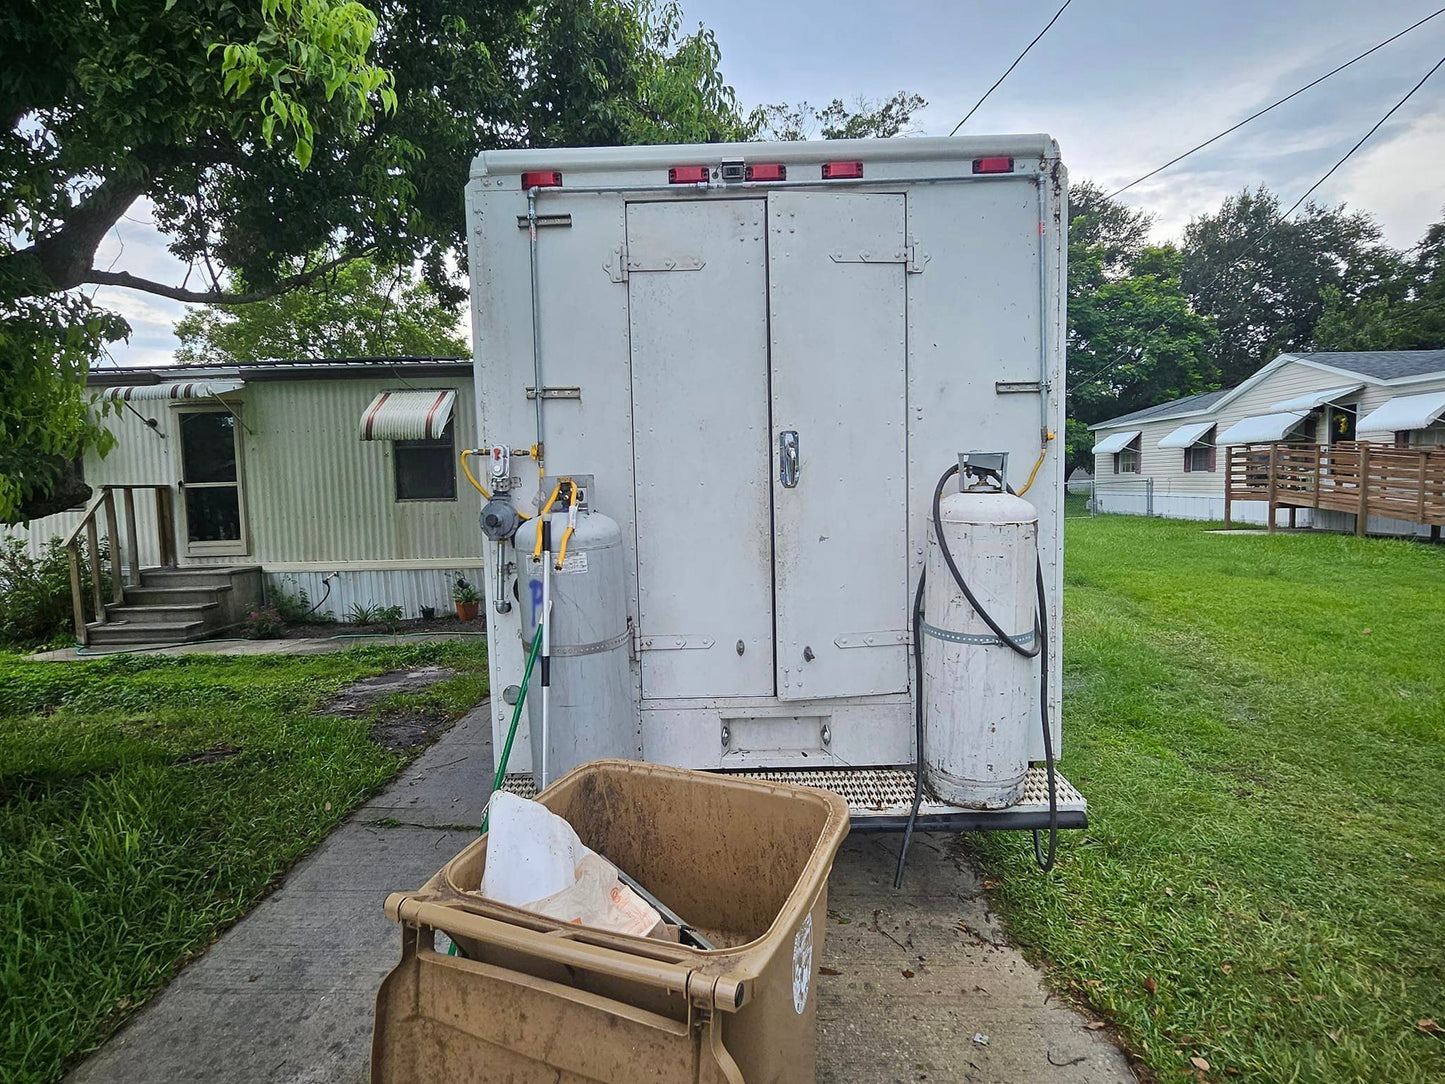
(697, 310)
(838, 320)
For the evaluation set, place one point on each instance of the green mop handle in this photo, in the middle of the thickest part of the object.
(516, 715)
(511, 734)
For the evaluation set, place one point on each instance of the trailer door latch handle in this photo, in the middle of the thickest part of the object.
(788, 458)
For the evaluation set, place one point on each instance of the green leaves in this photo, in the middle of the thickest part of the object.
(302, 47)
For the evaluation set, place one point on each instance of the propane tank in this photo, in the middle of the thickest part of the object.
(590, 713)
(980, 696)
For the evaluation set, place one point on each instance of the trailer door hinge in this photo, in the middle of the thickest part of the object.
(670, 642)
(616, 265)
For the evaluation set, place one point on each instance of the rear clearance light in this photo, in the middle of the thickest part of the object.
(771, 172)
(837, 171)
(687, 175)
(993, 165)
(542, 178)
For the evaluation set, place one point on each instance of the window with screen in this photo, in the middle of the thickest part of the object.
(426, 470)
(1126, 459)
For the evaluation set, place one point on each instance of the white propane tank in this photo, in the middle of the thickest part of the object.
(980, 696)
(590, 713)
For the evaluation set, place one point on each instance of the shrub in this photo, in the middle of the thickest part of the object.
(292, 609)
(362, 615)
(35, 592)
(263, 624)
(390, 616)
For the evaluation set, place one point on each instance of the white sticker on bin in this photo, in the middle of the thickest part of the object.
(802, 964)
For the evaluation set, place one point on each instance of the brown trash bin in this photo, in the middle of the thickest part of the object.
(529, 998)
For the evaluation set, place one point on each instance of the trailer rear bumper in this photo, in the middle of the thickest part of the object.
(880, 800)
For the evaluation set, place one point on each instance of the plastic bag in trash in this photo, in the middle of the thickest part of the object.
(536, 862)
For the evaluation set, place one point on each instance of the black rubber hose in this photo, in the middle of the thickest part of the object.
(1039, 649)
(1042, 624)
(1007, 638)
(917, 726)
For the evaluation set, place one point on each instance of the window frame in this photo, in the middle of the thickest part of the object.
(448, 441)
(1136, 447)
(1205, 442)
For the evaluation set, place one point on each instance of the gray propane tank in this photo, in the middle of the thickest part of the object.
(980, 696)
(590, 712)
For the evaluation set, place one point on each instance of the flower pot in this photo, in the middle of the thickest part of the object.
(428, 613)
(467, 611)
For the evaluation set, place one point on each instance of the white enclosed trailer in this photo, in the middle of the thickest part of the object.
(758, 358)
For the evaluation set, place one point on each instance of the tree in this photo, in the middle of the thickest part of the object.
(1133, 339)
(360, 310)
(1263, 280)
(1405, 313)
(279, 140)
(867, 118)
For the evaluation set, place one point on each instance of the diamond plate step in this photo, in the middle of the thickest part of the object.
(879, 800)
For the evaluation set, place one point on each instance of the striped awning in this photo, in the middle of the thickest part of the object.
(1116, 442)
(408, 415)
(181, 389)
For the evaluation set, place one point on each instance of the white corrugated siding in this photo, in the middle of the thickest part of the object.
(316, 496)
(411, 589)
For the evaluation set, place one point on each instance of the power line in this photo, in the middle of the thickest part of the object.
(1252, 243)
(1363, 138)
(1011, 67)
(1272, 105)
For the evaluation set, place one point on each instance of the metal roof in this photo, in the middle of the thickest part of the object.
(1187, 405)
(283, 369)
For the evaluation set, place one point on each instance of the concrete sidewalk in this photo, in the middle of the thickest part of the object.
(286, 996)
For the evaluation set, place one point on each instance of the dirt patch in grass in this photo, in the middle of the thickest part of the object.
(409, 731)
(360, 697)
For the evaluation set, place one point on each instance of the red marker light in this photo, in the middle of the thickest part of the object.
(687, 175)
(542, 178)
(774, 171)
(993, 165)
(838, 171)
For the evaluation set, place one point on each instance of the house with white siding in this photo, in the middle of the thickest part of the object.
(1169, 460)
(337, 477)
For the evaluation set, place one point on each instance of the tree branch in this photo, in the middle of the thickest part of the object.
(219, 297)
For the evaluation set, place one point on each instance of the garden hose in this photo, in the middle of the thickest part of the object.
(1044, 858)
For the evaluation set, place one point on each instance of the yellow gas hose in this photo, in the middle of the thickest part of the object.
(1037, 464)
(542, 517)
(470, 476)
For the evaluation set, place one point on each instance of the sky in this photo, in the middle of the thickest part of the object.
(1123, 85)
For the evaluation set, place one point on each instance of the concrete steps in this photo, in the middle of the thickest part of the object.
(179, 605)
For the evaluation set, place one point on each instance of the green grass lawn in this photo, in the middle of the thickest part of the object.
(147, 801)
(1259, 726)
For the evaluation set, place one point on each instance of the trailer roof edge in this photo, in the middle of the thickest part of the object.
(905, 149)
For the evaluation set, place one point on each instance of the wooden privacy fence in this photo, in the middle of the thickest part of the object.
(103, 500)
(1357, 477)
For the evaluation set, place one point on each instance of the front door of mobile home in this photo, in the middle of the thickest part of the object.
(212, 496)
(768, 375)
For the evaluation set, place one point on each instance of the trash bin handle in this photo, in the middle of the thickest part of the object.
(715, 992)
